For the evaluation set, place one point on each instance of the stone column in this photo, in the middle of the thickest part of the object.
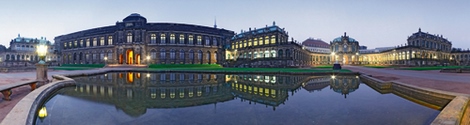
(41, 73)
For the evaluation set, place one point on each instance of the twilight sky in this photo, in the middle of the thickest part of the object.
(373, 23)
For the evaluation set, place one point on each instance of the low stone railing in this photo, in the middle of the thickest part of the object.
(454, 112)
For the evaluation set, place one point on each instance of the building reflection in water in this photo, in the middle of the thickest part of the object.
(134, 94)
(340, 84)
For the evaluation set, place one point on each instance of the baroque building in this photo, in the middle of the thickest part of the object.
(134, 41)
(265, 47)
(22, 52)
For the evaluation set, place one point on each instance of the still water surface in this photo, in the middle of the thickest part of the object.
(184, 98)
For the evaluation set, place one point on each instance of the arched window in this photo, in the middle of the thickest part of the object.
(190, 40)
(181, 40)
(208, 55)
(181, 54)
(153, 54)
(215, 42)
(280, 53)
(153, 38)
(266, 54)
(172, 38)
(255, 42)
(273, 53)
(129, 37)
(87, 42)
(162, 38)
(162, 54)
(172, 54)
(81, 43)
(199, 40)
(191, 54)
(7, 57)
(199, 54)
(255, 55)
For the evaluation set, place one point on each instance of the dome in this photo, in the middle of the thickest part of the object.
(340, 39)
(135, 17)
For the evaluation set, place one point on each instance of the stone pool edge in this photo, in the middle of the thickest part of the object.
(454, 113)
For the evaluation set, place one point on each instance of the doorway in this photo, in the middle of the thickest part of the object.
(130, 57)
(137, 59)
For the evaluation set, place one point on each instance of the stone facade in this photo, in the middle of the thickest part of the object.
(134, 41)
(22, 52)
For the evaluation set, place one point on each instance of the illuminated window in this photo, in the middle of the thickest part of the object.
(199, 40)
(172, 38)
(240, 44)
(244, 44)
(129, 37)
(94, 41)
(101, 41)
(87, 42)
(236, 45)
(261, 41)
(233, 46)
(110, 40)
(75, 43)
(65, 45)
(273, 39)
(190, 40)
(162, 38)
(249, 42)
(153, 38)
(266, 40)
(70, 44)
(81, 43)
(207, 41)
(255, 42)
(181, 40)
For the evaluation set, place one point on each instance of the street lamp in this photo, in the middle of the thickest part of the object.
(105, 60)
(148, 59)
(41, 67)
(41, 50)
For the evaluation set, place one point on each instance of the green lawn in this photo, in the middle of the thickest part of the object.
(78, 66)
(433, 68)
(215, 67)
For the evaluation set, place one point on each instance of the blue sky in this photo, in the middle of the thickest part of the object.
(373, 23)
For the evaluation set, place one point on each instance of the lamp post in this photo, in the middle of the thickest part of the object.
(148, 60)
(105, 60)
(41, 66)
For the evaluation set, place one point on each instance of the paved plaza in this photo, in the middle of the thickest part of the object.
(452, 82)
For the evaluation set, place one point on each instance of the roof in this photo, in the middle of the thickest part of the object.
(31, 40)
(340, 39)
(134, 17)
(315, 43)
(259, 31)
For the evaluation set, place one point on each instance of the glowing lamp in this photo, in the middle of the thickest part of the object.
(42, 51)
(42, 113)
(333, 76)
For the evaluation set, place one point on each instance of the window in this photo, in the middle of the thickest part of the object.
(153, 38)
(94, 41)
(207, 41)
(208, 56)
(249, 42)
(190, 40)
(129, 37)
(110, 55)
(273, 39)
(153, 54)
(87, 42)
(162, 38)
(65, 45)
(215, 42)
(162, 54)
(244, 44)
(233, 46)
(266, 40)
(181, 40)
(261, 41)
(172, 38)
(75, 43)
(110, 40)
(215, 56)
(70, 45)
(199, 55)
(101, 41)
(172, 54)
(181, 54)
(81, 43)
(199, 40)
(191, 54)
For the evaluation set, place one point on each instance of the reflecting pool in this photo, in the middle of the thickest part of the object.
(186, 98)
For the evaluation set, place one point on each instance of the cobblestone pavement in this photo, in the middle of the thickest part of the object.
(452, 82)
